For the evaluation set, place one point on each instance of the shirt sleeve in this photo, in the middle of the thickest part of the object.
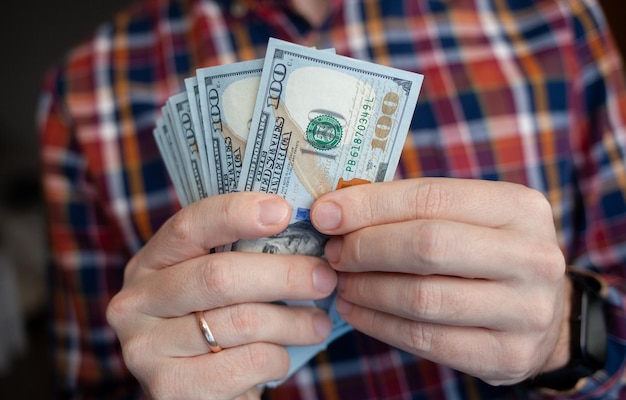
(87, 258)
(599, 144)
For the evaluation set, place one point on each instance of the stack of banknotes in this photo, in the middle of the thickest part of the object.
(299, 123)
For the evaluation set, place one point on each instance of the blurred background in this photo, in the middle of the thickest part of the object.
(34, 34)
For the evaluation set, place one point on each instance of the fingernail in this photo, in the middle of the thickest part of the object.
(327, 216)
(324, 279)
(333, 249)
(272, 211)
(322, 324)
(343, 307)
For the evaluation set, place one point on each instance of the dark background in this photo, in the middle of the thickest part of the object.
(34, 34)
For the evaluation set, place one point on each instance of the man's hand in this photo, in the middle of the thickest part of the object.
(465, 273)
(174, 275)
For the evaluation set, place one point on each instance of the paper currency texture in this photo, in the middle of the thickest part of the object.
(321, 122)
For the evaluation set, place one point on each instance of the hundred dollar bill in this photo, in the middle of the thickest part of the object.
(179, 111)
(193, 95)
(171, 160)
(175, 154)
(321, 122)
(227, 99)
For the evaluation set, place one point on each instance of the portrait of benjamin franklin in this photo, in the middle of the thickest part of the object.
(298, 238)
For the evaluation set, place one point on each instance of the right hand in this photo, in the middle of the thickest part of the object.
(174, 275)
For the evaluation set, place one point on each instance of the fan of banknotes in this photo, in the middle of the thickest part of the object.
(299, 123)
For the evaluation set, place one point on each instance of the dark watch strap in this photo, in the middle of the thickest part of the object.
(588, 336)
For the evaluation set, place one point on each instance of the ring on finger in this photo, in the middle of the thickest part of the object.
(206, 332)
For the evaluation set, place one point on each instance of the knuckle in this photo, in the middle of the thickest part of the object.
(244, 320)
(420, 337)
(538, 201)
(259, 357)
(356, 286)
(293, 276)
(119, 308)
(232, 210)
(271, 361)
(541, 316)
(548, 262)
(215, 279)
(427, 299)
(237, 211)
(533, 202)
(359, 203)
(370, 210)
(297, 280)
(555, 265)
(356, 251)
(431, 199)
(179, 226)
(541, 319)
(428, 244)
(513, 359)
(135, 350)
(131, 267)
(516, 361)
(115, 311)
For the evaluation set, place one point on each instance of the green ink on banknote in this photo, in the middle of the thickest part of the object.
(324, 132)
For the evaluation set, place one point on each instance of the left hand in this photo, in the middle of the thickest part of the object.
(466, 273)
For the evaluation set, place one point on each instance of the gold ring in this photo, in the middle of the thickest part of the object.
(206, 332)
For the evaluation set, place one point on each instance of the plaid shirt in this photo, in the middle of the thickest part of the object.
(522, 91)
